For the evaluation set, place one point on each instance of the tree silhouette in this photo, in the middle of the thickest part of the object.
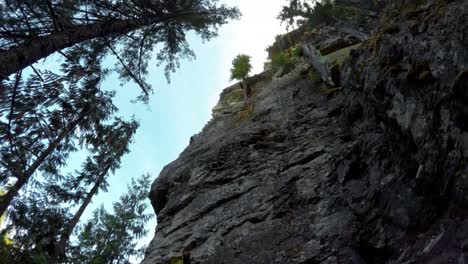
(129, 30)
(41, 119)
(44, 218)
(112, 237)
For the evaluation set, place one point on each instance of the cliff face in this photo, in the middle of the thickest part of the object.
(373, 170)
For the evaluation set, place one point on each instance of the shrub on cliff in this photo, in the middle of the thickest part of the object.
(281, 61)
(285, 60)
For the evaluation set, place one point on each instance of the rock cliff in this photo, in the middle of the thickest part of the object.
(359, 154)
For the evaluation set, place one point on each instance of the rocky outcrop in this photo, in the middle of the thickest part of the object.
(286, 41)
(374, 172)
(327, 48)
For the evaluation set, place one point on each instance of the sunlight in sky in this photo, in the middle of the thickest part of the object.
(180, 109)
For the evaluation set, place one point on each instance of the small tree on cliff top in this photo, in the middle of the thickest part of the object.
(240, 70)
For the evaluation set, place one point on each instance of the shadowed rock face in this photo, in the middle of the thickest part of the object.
(374, 173)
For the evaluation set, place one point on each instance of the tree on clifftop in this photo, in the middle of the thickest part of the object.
(240, 70)
(312, 12)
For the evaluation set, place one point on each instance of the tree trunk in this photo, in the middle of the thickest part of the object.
(6, 199)
(65, 236)
(246, 91)
(17, 58)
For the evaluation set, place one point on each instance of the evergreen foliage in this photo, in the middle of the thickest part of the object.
(311, 12)
(298, 52)
(42, 218)
(112, 237)
(281, 60)
(240, 70)
(241, 67)
(129, 30)
(39, 127)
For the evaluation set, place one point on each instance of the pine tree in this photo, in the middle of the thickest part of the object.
(311, 12)
(42, 218)
(112, 143)
(297, 11)
(112, 237)
(240, 70)
(34, 29)
(39, 126)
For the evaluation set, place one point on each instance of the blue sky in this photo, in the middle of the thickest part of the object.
(180, 109)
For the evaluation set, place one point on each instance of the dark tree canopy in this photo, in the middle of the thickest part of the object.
(44, 218)
(42, 119)
(112, 237)
(129, 30)
(297, 11)
(314, 13)
(311, 12)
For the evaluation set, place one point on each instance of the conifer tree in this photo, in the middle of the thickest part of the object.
(311, 12)
(34, 29)
(240, 70)
(297, 11)
(112, 237)
(112, 143)
(42, 218)
(39, 126)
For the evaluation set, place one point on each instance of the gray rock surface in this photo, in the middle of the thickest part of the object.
(375, 173)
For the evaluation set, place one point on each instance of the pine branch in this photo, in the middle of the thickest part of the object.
(53, 16)
(37, 73)
(130, 73)
(13, 145)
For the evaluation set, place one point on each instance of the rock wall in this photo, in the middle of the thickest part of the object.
(373, 171)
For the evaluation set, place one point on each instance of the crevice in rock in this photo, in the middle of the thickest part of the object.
(186, 258)
(159, 199)
(373, 255)
(210, 208)
(304, 160)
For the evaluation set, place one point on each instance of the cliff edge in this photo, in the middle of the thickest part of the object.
(357, 154)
